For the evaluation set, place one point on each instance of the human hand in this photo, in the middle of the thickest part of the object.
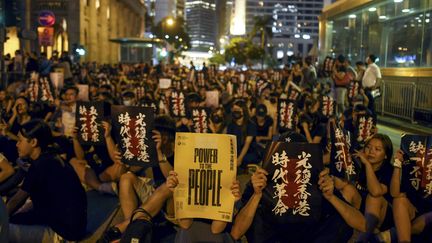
(235, 190)
(157, 137)
(259, 180)
(107, 129)
(172, 180)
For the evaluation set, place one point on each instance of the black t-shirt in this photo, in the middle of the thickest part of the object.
(383, 174)
(241, 132)
(57, 195)
(264, 129)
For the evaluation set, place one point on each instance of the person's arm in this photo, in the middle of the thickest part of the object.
(396, 176)
(164, 165)
(246, 215)
(305, 127)
(348, 211)
(218, 226)
(14, 116)
(113, 151)
(244, 150)
(375, 188)
(16, 201)
(6, 169)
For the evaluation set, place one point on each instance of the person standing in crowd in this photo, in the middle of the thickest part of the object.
(371, 80)
(309, 75)
(343, 75)
(59, 205)
(360, 69)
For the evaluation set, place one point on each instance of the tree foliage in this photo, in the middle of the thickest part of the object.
(178, 37)
(242, 51)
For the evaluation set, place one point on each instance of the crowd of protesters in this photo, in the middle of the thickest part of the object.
(45, 171)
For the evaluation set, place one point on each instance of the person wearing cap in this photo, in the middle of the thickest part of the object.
(129, 98)
(338, 213)
(264, 124)
(136, 188)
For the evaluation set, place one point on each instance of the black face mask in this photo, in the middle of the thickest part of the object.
(272, 100)
(237, 115)
(216, 119)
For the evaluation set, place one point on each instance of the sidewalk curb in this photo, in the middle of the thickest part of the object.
(404, 125)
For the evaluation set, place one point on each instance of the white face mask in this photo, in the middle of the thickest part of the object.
(127, 102)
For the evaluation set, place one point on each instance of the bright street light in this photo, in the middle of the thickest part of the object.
(170, 21)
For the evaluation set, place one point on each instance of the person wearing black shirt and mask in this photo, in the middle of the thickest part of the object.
(217, 122)
(59, 201)
(245, 131)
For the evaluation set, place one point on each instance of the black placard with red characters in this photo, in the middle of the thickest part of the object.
(200, 118)
(89, 117)
(328, 106)
(365, 128)
(133, 128)
(41, 90)
(417, 171)
(178, 104)
(353, 89)
(292, 194)
(342, 164)
(293, 94)
(287, 111)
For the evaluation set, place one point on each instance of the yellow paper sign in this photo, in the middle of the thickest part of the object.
(206, 168)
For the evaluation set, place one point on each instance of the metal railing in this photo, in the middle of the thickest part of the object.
(402, 99)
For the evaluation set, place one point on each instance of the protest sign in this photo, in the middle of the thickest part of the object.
(342, 164)
(177, 104)
(206, 166)
(286, 114)
(133, 128)
(327, 106)
(365, 128)
(164, 83)
(212, 99)
(418, 171)
(83, 93)
(200, 118)
(89, 117)
(292, 194)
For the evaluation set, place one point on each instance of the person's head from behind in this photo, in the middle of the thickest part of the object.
(308, 60)
(360, 65)
(379, 149)
(33, 138)
(165, 125)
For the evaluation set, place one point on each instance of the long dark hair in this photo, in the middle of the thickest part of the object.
(387, 145)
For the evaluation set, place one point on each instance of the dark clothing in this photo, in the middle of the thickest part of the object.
(59, 200)
(383, 175)
(98, 159)
(241, 132)
(263, 130)
(159, 178)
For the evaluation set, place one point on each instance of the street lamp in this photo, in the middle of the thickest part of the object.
(170, 21)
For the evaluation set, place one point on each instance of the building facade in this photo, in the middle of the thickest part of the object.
(399, 34)
(201, 24)
(294, 24)
(87, 23)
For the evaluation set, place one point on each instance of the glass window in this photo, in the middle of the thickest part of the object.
(399, 33)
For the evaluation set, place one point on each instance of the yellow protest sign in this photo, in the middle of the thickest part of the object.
(206, 168)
